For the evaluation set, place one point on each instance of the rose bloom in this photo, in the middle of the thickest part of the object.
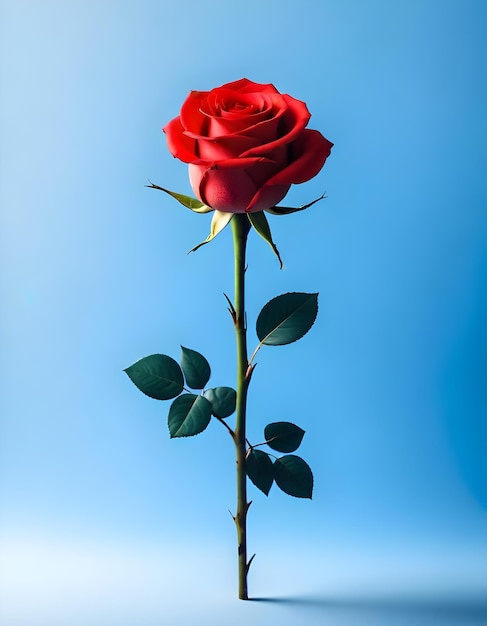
(246, 144)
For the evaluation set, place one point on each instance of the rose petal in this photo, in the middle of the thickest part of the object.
(193, 110)
(229, 191)
(262, 172)
(294, 120)
(225, 148)
(180, 146)
(244, 85)
(310, 152)
(231, 122)
(228, 112)
(224, 126)
(231, 164)
(253, 129)
(267, 197)
(192, 119)
(221, 101)
(267, 129)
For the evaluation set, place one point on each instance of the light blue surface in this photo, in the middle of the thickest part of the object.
(391, 383)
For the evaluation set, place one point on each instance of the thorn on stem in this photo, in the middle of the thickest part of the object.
(233, 516)
(250, 371)
(231, 309)
(249, 563)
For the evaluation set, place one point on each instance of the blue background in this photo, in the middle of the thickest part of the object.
(102, 517)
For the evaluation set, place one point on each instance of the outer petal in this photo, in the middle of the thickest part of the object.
(267, 197)
(262, 172)
(229, 191)
(180, 145)
(191, 117)
(310, 152)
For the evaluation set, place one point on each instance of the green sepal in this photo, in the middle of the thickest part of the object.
(261, 225)
(293, 475)
(189, 415)
(158, 376)
(187, 201)
(223, 400)
(259, 468)
(286, 318)
(283, 436)
(286, 210)
(218, 222)
(196, 368)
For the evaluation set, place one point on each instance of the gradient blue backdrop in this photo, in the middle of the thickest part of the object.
(390, 385)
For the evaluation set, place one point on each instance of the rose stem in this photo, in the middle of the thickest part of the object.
(240, 229)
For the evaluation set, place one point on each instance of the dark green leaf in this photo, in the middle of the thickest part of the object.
(294, 476)
(222, 400)
(196, 368)
(283, 436)
(287, 318)
(189, 415)
(158, 376)
(187, 201)
(259, 469)
(261, 225)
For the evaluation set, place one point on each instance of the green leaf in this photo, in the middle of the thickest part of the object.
(261, 225)
(158, 376)
(294, 476)
(283, 436)
(222, 399)
(196, 368)
(218, 222)
(258, 465)
(287, 318)
(189, 415)
(286, 210)
(187, 201)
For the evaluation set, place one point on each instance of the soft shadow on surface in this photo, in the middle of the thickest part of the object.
(465, 610)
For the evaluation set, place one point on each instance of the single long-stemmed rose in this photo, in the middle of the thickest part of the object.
(245, 144)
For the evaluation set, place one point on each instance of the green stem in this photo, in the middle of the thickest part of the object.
(240, 229)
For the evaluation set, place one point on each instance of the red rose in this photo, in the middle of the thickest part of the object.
(246, 144)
